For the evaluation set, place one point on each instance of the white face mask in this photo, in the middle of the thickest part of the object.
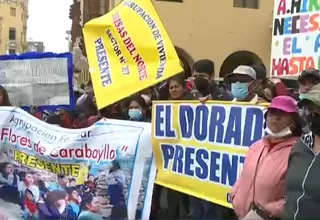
(284, 133)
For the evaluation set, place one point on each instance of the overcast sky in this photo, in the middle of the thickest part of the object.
(48, 22)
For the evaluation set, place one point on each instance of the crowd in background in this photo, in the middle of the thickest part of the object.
(279, 179)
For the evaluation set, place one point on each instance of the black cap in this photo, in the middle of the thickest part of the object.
(309, 72)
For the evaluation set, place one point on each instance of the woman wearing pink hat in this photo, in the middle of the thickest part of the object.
(259, 192)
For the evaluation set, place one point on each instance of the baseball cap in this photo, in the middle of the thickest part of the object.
(312, 96)
(309, 72)
(244, 70)
(284, 103)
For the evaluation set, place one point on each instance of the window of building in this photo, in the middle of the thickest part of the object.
(12, 34)
(12, 51)
(13, 12)
(246, 4)
(180, 1)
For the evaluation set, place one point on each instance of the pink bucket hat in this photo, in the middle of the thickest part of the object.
(284, 103)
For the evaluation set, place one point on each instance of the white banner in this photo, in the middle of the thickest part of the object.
(36, 81)
(51, 172)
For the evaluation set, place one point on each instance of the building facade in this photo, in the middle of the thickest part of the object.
(13, 26)
(229, 32)
(82, 11)
(35, 46)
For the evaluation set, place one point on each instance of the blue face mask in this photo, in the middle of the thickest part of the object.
(135, 114)
(240, 91)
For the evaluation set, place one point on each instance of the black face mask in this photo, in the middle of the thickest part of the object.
(202, 85)
(314, 121)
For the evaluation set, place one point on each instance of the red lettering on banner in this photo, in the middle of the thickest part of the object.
(141, 65)
(291, 66)
(22, 141)
(86, 152)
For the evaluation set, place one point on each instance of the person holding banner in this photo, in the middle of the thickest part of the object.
(302, 180)
(203, 73)
(259, 192)
(137, 109)
(244, 83)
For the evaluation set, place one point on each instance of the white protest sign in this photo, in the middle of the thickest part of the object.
(36, 81)
(295, 38)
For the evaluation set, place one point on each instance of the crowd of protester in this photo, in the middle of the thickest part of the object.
(278, 180)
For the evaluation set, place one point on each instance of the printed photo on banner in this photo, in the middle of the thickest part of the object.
(119, 57)
(38, 79)
(200, 148)
(296, 38)
(54, 173)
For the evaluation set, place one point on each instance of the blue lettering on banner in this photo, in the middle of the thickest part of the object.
(103, 62)
(217, 167)
(234, 125)
(164, 123)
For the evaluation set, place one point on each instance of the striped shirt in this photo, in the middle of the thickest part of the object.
(269, 180)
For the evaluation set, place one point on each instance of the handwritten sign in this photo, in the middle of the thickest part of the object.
(37, 78)
(296, 37)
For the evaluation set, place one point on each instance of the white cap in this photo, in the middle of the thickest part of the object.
(244, 70)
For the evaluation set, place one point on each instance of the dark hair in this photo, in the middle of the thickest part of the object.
(86, 199)
(61, 176)
(90, 175)
(28, 191)
(299, 124)
(72, 180)
(180, 79)
(53, 196)
(70, 190)
(53, 120)
(5, 100)
(23, 174)
(116, 164)
(89, 83)
(137, 98)
(204, 66)
(3, 166)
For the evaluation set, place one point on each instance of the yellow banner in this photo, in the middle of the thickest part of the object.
(128, 50)
(200, 149)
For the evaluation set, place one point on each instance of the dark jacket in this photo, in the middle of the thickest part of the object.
(303, 182)
(218, 94)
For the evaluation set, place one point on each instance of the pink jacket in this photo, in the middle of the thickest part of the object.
(270, 179)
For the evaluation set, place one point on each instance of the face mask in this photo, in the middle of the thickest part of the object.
(202, 85)
(240, 91)
(314, 121)
(284, 133)
(135, 114)
(302, 96)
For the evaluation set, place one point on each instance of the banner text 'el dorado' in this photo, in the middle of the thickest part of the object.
(201, 148)
(128, 50)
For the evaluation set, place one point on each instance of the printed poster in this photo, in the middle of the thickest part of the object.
(295, 37)
(48, 172)
(39, 79)
(201, 148)
(128, 50)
